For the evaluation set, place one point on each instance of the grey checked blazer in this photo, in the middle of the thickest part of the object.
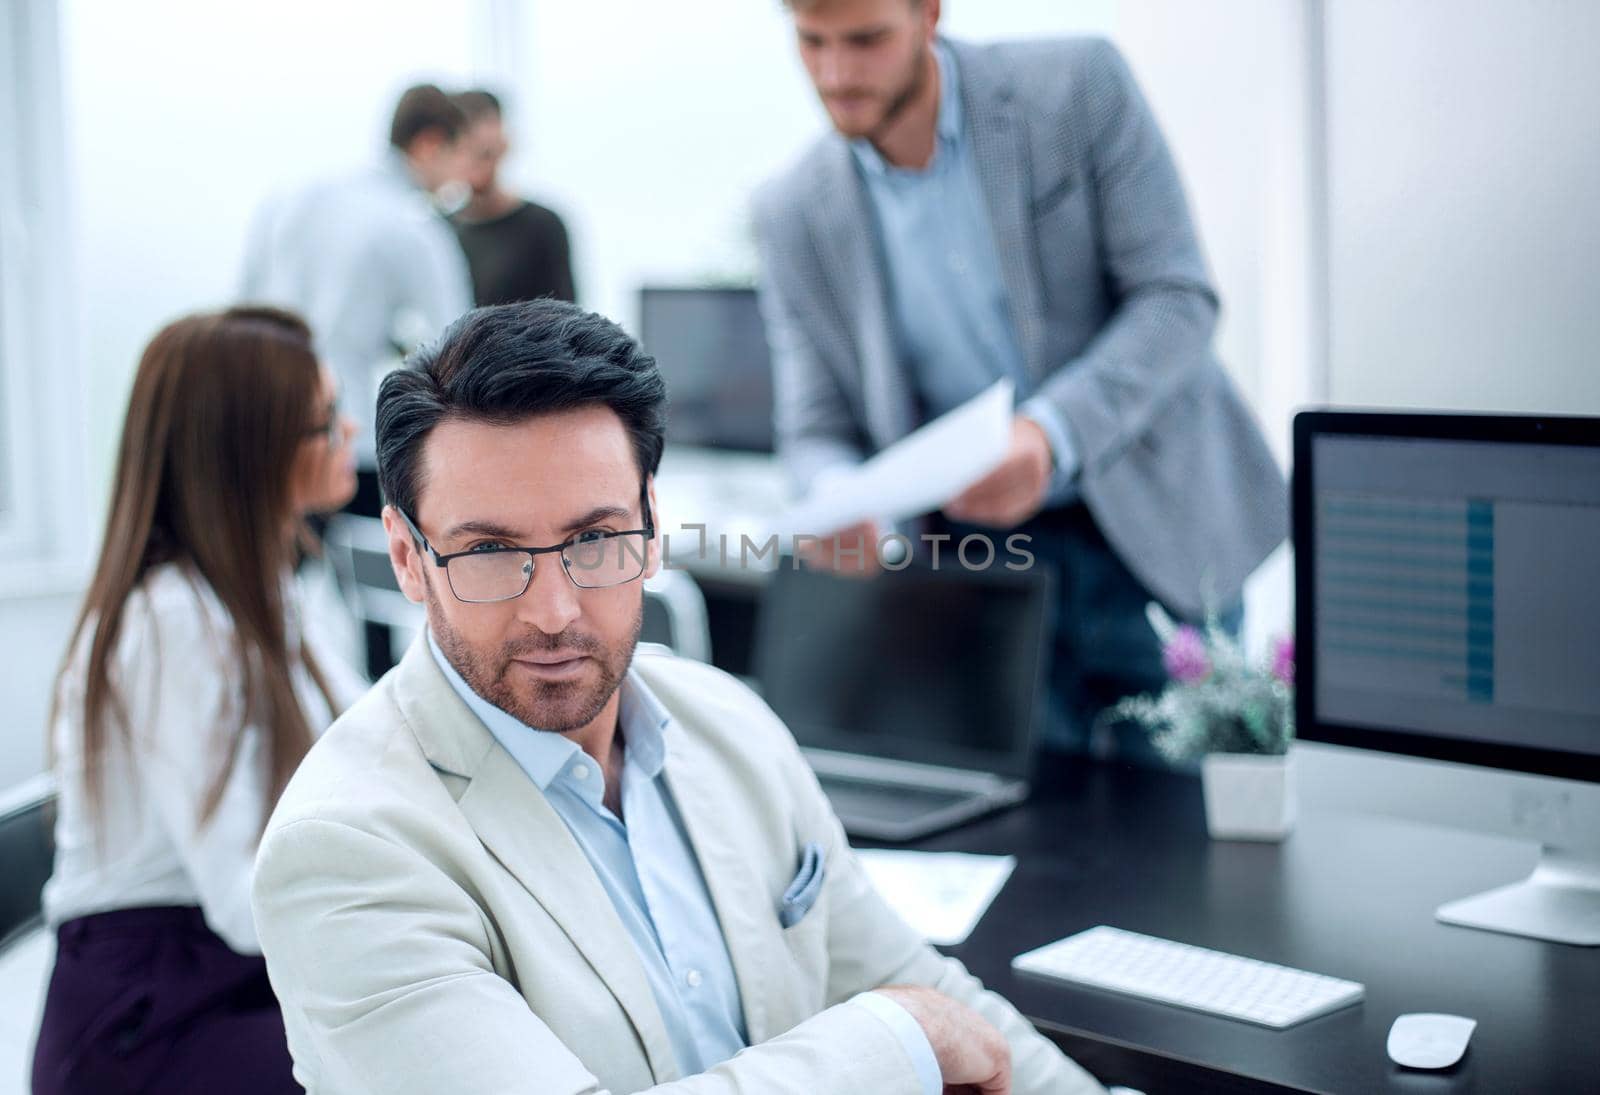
(1108, 289)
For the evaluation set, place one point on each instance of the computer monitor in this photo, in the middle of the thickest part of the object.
(1447, 590)
(712, 349)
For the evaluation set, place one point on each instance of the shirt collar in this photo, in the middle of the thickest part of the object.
(948, 126)
(543, 755)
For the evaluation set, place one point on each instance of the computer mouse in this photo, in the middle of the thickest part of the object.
(1426, 1040)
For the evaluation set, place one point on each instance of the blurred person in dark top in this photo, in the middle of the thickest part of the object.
(517, 249)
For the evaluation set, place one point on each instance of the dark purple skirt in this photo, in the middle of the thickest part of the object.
(151, 1000)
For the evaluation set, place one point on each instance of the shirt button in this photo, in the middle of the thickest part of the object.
(580, 771)
(693, 979)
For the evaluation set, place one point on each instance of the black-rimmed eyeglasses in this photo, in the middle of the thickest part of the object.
(592, 559)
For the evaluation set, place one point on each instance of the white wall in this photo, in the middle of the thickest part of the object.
(184, 114)
(1464, 156)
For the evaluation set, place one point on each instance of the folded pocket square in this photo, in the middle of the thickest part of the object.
(802, 892)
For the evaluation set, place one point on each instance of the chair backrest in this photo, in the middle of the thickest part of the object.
(675, 615)
(27, 851)
(358, 548)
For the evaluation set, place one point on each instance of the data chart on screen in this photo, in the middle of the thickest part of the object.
(1458, 588)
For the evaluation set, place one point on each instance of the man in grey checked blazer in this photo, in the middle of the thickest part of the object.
(1012, 209)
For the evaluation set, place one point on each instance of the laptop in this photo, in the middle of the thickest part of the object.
(912, 694)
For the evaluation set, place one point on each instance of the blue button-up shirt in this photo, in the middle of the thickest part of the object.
(947, 299)
(647, 867)
(649, 871)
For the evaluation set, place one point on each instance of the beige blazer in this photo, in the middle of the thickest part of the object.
(431, 926)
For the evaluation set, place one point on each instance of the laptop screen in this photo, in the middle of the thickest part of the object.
(936, 667)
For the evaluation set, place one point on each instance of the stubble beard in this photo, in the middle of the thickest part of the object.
(898, 100)
(557, 706)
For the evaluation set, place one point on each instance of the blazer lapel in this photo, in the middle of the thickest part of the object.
(999, 149)
(530, 840)
(749, 919)
(853, 270)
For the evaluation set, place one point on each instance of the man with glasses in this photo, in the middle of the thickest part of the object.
(531, 860)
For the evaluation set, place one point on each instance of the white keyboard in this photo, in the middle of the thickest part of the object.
(1190, 977)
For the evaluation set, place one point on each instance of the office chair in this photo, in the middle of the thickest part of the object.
(358, 549)
(675, 615)
(27, 950)
(27, 848)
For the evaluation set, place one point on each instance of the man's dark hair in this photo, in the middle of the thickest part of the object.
(422, 108)
(477, 104)
(506, 364)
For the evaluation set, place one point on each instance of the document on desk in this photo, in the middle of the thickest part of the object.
(917, 474)
(942, 895)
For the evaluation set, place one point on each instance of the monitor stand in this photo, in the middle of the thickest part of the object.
(1559, 901)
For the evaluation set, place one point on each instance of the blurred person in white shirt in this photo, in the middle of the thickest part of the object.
(369, 260)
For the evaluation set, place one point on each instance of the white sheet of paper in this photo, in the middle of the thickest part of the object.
(917, 474)
(942, 895)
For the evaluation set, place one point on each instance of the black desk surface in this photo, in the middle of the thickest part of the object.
(1345, 895)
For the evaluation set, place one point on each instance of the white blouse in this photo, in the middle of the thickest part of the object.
(175, 671)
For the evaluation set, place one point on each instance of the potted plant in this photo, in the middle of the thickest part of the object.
(1236, 717)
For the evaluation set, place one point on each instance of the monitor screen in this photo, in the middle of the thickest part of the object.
(712, 349)
(941, 667)
(1448, 587)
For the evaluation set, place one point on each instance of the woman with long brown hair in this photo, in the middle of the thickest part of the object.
(189, 693)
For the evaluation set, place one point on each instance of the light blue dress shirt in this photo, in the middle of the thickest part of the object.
(647, 867)
(649, 871)
(947, 299)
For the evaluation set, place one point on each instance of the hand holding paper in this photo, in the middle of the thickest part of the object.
(1014, 491)
(917, 474)
(851, 552)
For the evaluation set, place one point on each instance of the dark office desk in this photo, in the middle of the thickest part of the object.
(1346, 895)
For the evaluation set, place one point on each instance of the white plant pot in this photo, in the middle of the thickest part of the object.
(1248, 796)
